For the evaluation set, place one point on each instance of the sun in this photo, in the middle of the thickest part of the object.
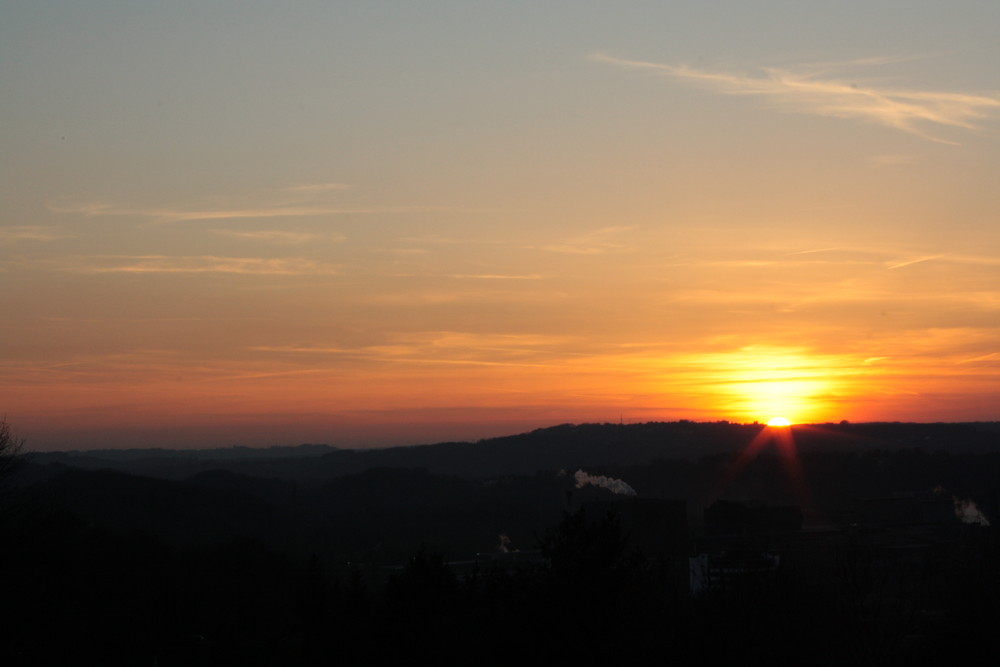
(779, 421)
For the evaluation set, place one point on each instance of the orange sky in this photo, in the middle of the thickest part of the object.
(381, 224)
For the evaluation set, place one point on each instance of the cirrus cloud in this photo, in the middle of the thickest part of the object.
(275, 266)
(810, 89)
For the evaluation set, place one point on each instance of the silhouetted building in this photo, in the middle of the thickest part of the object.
(728, 570)
(741, 546)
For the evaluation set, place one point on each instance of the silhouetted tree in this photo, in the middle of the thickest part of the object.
(10, 449)
(593, 587)
(588, 555)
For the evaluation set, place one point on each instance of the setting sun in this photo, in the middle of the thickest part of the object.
(756, 382)
(779, 421)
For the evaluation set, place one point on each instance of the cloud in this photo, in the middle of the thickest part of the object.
(444, 348)
(302, 349)
(896, 257)
(813, 251)
(806, 90)
(491, 276)
(910, 262)
(403, 251)
(991, 357)
(206, 264)
(592, 243)
(169, 215)
(491, 341)
(952, 258)
(302, 200)
(887, 257)
(318, 187)
(280, 236)
(440, 240)
(474, 293)
(31, 233)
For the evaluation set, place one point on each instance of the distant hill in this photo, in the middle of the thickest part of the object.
(379, 505)
(558, 447)
(213, 454)
(222, 547)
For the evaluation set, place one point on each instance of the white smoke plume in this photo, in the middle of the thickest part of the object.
(504, 547)
(968, 512)
(610, 483)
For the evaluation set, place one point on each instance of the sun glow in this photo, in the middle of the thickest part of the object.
(779, 421)
(757, 382)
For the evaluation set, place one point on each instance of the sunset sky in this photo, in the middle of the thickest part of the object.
(371, 223)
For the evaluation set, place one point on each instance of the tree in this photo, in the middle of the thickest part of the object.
(10, 449)
(589, 560)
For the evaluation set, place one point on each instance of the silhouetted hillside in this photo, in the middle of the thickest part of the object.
(559, 447)
(345, 556)
(179, 512)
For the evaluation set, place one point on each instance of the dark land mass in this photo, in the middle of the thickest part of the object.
(863, 543)
(551, 448)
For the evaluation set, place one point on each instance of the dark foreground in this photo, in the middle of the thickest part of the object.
(865, 558)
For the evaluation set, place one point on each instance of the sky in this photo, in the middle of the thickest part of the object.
(374, 223)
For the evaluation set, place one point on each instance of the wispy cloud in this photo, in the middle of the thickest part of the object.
(441, 240)
(318, 187)
(478, 294)
(444, 347)
(810, 89)
(951, 258)
(910, 262)
(403, 252)
(204, 264)
(302, 349)
(991, 357)
(280, 236)
(36, 233)
(164, 215)
(169, 215)
(813, 251)
(890, 257)
(595, 242)
(493, 276)
(493, 341)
